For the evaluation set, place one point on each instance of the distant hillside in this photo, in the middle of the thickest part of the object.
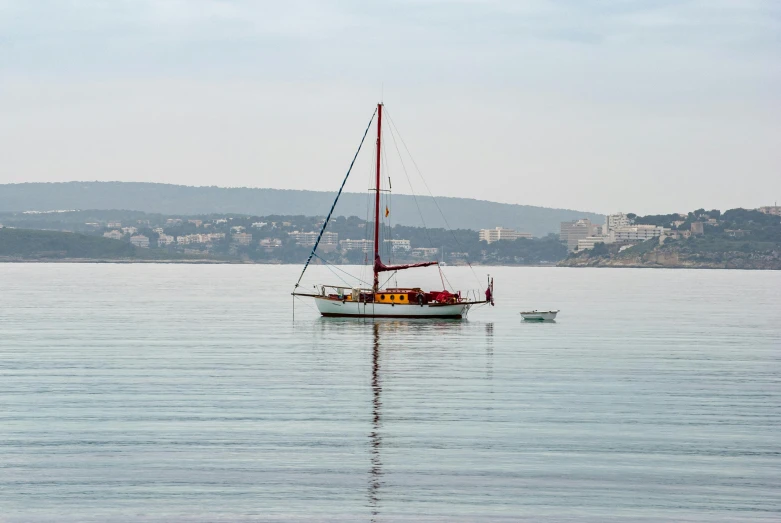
(461, 213)
(736, 239)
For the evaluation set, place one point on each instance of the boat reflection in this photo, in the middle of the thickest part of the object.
(489, 351)
(398, 330)
(375, 438)
(397, 338)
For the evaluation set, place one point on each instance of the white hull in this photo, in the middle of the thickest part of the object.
(539, 315)
(328, 307)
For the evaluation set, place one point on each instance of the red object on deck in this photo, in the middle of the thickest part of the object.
(445, 297)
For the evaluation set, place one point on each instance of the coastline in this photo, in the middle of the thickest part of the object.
(217, 262)
(591, 264)
(733, 264)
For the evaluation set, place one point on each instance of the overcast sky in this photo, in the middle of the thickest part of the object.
(641, 106)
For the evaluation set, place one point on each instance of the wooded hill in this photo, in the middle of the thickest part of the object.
(461, 213)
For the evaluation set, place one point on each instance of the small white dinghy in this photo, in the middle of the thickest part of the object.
(539, 315)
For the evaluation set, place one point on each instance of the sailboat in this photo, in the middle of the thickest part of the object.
(389, 302)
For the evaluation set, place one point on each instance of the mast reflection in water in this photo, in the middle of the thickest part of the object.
(375, 439)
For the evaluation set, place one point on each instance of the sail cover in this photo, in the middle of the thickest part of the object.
(381, 267)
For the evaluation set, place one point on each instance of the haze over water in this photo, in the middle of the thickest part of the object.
(189, 393)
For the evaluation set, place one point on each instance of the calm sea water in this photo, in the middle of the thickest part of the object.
(189, 393)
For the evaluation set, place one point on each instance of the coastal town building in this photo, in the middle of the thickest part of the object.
(356, 245)
(241, 238)
(636, 233)
(590, 241)
(622, 234)
(698, 228)
(114, 225)
(399, 246)
(197, 223)
(140, 241)
(775, 210)
(270, 243)
(165, 239)
(199, 238)
(500, 233)
(424, 252)
(129, 230)
(308, 239)
(259, 225)
(114, 235)
(613, 221)
(576, 230)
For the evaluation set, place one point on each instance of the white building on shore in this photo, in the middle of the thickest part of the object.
(241, 238)
(425, 252)
(308, 239)
(270, 243)
(500, 233)
(576, 230)
(613, 221)
(398, 246)
(114, 235)
(636, 233)
(624, 234)
(357, 245)
(140, 241)
(165, 239)
(590, 241)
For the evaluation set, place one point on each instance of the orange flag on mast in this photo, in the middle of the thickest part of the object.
(387, 211)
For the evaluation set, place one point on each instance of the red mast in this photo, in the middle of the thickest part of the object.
(377, 201)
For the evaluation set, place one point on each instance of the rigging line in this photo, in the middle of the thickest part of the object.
(331, 266)
(306, 303)
(389, 278)
(390, 218)
(366, 229)
(443, 275)
(412, 190)
(384, 199)
(327, 266)
(393, 125)
(325, 223)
